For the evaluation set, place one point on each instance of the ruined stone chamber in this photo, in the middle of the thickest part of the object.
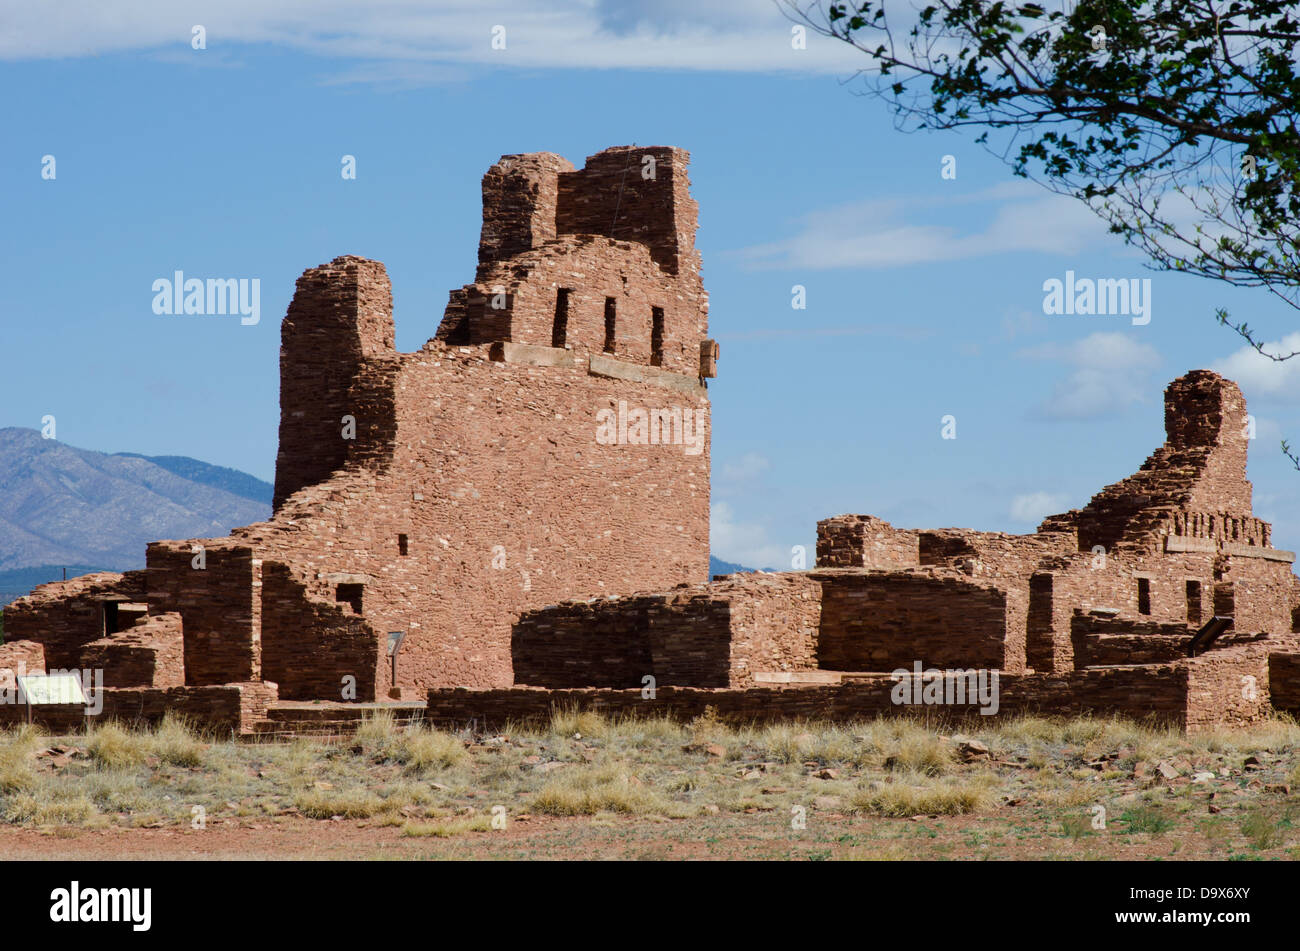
(550, 442)
(1094, 613)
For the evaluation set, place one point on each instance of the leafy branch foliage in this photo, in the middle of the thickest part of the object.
(1174, 120)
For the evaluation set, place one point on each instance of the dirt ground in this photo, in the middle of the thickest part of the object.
(1007, 834)
(586, 788)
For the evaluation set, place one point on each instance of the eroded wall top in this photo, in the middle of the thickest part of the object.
(599, 260)
(1200, 469)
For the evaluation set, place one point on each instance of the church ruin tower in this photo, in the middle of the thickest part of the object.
(597, 261)
(441, 492)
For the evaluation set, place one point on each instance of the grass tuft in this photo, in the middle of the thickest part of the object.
(585, 792)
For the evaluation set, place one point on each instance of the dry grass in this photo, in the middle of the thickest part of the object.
(919, 794)
(585, 792)
(175, 742)
(347, 804)
(418, 748)
(1042, 782)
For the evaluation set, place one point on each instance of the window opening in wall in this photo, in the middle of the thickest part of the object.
(610, 320)
(1193, 602)
(1144, 596)
(402, 547)
(560, 329)
(350, 594)
(110, 618)
(656, 336)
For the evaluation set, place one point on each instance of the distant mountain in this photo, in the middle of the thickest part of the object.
(60, 505)
(217, 477)
(719, 567)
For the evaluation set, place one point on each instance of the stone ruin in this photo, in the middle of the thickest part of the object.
(526, 500)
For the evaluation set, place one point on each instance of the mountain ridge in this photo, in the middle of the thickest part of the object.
(61, 505)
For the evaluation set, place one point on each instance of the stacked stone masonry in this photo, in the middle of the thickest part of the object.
(1096, 611)
(523, 505)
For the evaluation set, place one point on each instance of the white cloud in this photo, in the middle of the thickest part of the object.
(1112, 371)
(732, 35)
(746, 467)
(870, 234)
(745, 543)
(1033, 507)
(1268, 432)
(1258, 376)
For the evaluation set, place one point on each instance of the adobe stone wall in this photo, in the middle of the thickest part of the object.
(1229, 685)
(64, 616)
(1154, 693)
(1284, 681)
(1263, 593)
(1200, 470)
(775, 624)
(864, 541)
(516, 301)
(310, 646)
(617, 236)
(520, 193)
(580, 643)
(709, 635)
(485, 541)
(150, 653)
(1046, 578)
(17, 658)
(220, 606)
(634, 193)
(335, 342)
(882, 621)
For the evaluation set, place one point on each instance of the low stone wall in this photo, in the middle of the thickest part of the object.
(1228, 685)
(714, 635)
(1157, 692)
(228, 708)
(149, 654)
(1101, 639)
(53, 718)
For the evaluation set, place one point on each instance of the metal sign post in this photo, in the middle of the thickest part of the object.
(395, 639)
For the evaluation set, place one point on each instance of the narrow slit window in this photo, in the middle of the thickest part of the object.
(1193, 602)
(1144, 596)
(656, 336)
(610, 321)
(560, 329)
(403, 547)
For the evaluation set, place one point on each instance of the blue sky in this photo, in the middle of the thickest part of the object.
(924, 294)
